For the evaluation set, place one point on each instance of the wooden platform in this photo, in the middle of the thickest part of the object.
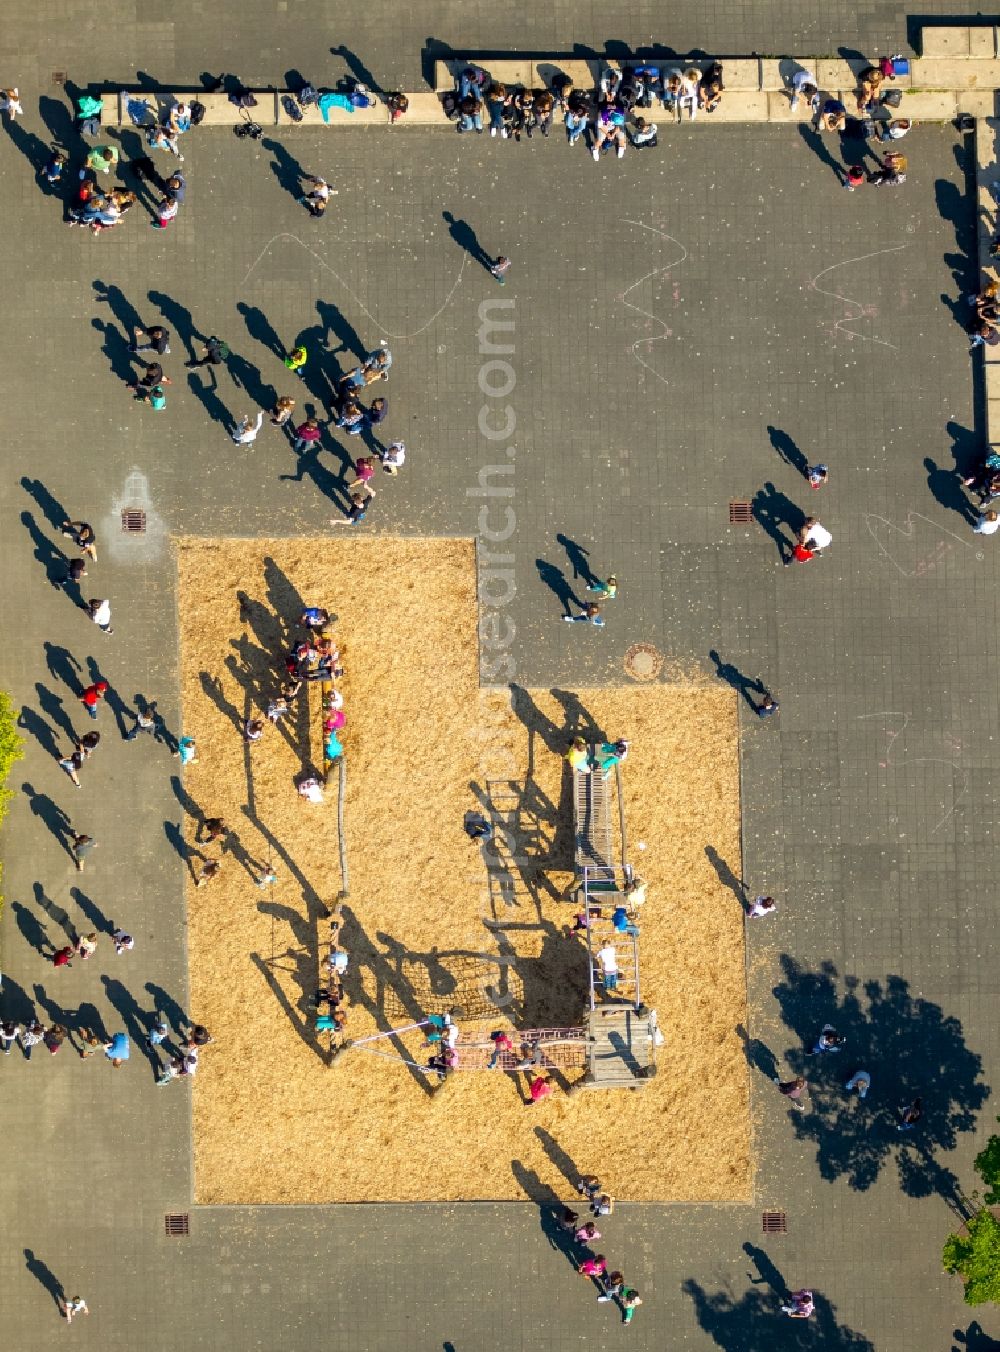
(621, 1048)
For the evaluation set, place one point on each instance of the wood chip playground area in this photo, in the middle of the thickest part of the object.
(427, 925)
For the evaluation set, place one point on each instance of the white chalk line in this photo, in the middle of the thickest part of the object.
(907, 531)
(920, 760)
(852, 319)
(323, 263)
(645, 313)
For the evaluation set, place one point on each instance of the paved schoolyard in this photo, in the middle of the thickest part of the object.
(667, 313)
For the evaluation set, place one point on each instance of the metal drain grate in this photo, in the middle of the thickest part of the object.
(134, 521)
(177, 1225)
(775, 1223)
(740, 512)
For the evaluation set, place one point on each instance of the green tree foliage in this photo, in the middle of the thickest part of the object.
(11, 749)
(975, 1256)
(988, 1168)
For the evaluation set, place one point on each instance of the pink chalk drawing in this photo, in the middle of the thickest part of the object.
(624, 299)
(957, 781)
(924, 554)
(860, 309)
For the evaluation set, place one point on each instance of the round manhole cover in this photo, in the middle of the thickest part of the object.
(643, 662)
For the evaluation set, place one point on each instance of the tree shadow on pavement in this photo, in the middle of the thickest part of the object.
(911, 1048)
(974, 1339)
(755, 1320)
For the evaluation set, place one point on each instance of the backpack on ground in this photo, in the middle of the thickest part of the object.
(198, 111)
(892, 98)
(291, 108)
(242, 98)
(308, 94)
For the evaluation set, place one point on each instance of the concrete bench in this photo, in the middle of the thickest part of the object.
(978, 41)
(844, 75)
(376, 115)
(219, 112)
(955, 74)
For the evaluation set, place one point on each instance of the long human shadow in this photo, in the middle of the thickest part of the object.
(358, 69)
(550, 1209)
(55, 710)
(332, 484)
(816, 143)
(913, 1049)
(178, 318)
(577, 721)
(187, 852)
(15, 1002)
(95, 916)
(44, 1275)
(78, 1020)
(751, 1321)
(52, 509)
(385, 978)
(117, 706)
(35, 726)
(767, 1272)
(165, 1003)
(46, 551)
(300, 1018)
(558, 583)
(32, 930)
(212, 686)
(63, 666)
(205, 387)
(121, 360)
(578, 559)
(286, 169)
(466, 238)
(569, 1169)
(726, 876)
(758, 1054)
(258, 681)
(58, 118)
(123, 311)
(32, 147)
(50, 813)
(336, 325)
(260, 329)
(773, 510)
(855, 148)
(947, 490)
(136, 1026)
(788, 450)
(54, 911)
(742, 684)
